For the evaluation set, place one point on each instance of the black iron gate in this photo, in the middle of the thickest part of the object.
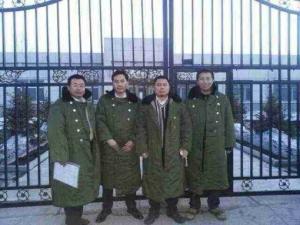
(253, 46)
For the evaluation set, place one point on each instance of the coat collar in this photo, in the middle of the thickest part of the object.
(195, 92)
(130, 96)
(148, 99)
(66, 96)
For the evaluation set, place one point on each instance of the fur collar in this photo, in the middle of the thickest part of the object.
(130, 96)
(148, 99)
(196, 93)
(66, 96)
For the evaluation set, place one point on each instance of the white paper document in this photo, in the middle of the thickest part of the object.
(67, 174)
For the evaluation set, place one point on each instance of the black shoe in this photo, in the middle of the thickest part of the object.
(102, 215)
(174, 214)
(152, 216)
(135, 213)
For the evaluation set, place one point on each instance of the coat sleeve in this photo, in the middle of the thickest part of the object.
(229, 126)
(185, 129)
(102, 129)
(57, 139)
(141, 131)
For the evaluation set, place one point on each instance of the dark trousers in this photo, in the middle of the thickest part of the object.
(108, 199)
(73, 215)
(213, 200)
(171, 204)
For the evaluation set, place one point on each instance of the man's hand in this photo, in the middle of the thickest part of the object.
(63, 163)
(128, 146)
(113, 144)
(145, 155)
(184, 154)
(228, 150)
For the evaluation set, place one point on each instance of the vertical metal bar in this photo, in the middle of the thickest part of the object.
(38, 127)
(27, 138)
(231, 32)
(251, 128)
(122, 32)
(3, 41)
(79, 27)
(192, 36)
(111, 35)
(298, 39)
(298, 129)
(280, 119)
(222, 32)
(251, 32)
(69, 33)
(25, 38)
(241, 33)
(202, 32)
(260, 123)
(182, 31)
(289, 40)
(58, 33)
(47, 35)
(153, 35)
(165, 37)
(270, 120)
(5, 134)
(260, 34)
(16, 107)
(101, 34)
(279, 37)
(289, 89)
(241, 129)
(91, 35)
(270, 36)
(36, 37)
(212, 32)
(132, 33)
(143, 32)
(15, 39)
(171, 42)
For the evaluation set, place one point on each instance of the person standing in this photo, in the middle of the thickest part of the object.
(163, 139)
(116, 122)
(72, 139)
(213, 139)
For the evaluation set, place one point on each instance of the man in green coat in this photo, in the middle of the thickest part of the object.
(213, 137)
(163, 139)
(116, 122)
(71, 137)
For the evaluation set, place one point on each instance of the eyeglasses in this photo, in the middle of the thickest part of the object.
(206, 79)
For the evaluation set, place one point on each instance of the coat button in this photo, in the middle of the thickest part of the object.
(218, 103)
(74, 110)
(193, 106)
(76, 120)
(113, 105)
(128, 119)
(81, 140)
(217, 121)
(129, 110)
(71, 103)
(217, 96)
(174, 117)
(78, 130)
(217, 113)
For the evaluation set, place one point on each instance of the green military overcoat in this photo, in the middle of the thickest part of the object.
(213, 132)
(116, 119)
(163, 181)
(69, 141)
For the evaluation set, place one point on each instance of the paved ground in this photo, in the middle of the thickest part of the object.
(258, 210)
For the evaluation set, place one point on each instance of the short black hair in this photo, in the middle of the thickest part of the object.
(205, 71)
(76, 76)
(161, 77)
(118, 72)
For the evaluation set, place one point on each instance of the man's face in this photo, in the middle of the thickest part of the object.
(120, 84)
(205, 81)
(77, 88)
(161, 88)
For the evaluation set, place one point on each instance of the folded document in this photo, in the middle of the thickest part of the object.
(67, 174)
